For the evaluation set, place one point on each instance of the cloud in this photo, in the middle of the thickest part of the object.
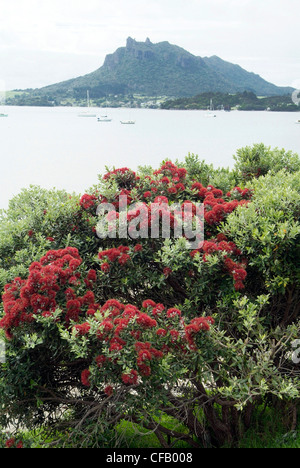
(86, 31)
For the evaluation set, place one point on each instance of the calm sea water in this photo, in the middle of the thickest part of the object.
(53, 147)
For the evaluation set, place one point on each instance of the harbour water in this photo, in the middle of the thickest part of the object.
(53, 147)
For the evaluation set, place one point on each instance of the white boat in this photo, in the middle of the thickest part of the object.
(104, 118)
(127, 122)
(87, 113)
(297, 121)
(211, 113)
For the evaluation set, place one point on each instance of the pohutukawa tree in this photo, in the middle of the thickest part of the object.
(102, 330)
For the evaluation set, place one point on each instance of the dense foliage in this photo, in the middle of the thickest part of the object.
(102, 330)
(246, 101)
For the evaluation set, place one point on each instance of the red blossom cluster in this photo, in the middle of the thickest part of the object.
(221, 244)
(121, 171)
(168, 182)
(171, 171)
(123, 327)
(131, 378)
(215, 207)
(54, 274)
(85, 378)
(171, 180)
(240, 194)
(88, 201)
(13, 443)
(195, 326)
(125, 177)
(119, 254)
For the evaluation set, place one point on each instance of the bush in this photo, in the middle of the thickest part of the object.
(259, 159)
(100, 331)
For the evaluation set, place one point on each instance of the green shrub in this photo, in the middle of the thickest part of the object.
(100, 331)
(258, 160)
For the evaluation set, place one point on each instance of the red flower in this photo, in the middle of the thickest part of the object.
(221, 237)
(92, 275)
(143, 355)
(109, 390)
(10, 443)
(161, 332)
(111, 254)
(88, 298)
(112, 303)
(173, 313)
(195, 326)
(160, 200)
(130, 379)
(100, 360)
(239, 285)
(167, 271)
(138, 248)
(145, 321)
(115, 346)
(197, 186)
(165, 180)
(180, 186)
(105, 327)
(148, 303)
(83, 329)
(85, 375)
(172, 190)
(145, 370)
(174, 334)
(87, 201)
(229, 264)
(239, 274)
(105, 267)
(158, 309)
(124, 259)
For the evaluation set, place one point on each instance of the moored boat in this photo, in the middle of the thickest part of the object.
(87, 113)
(104, 118)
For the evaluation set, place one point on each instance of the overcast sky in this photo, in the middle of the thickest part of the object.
(47, 41)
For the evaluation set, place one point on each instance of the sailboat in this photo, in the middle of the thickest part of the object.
(87, 113)
(210, 113)
(104, 118)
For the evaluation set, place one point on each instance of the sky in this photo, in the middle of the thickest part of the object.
(44, 42)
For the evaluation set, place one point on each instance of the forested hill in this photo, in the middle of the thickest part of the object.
(242, 101)
(160, 69)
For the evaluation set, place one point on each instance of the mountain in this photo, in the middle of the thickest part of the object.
(161, 69)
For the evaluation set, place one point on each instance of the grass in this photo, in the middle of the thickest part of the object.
(134, 436)
(255, 437)
(266, 432)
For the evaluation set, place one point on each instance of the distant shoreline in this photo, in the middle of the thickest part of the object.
(153, 108)
(215, 101)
